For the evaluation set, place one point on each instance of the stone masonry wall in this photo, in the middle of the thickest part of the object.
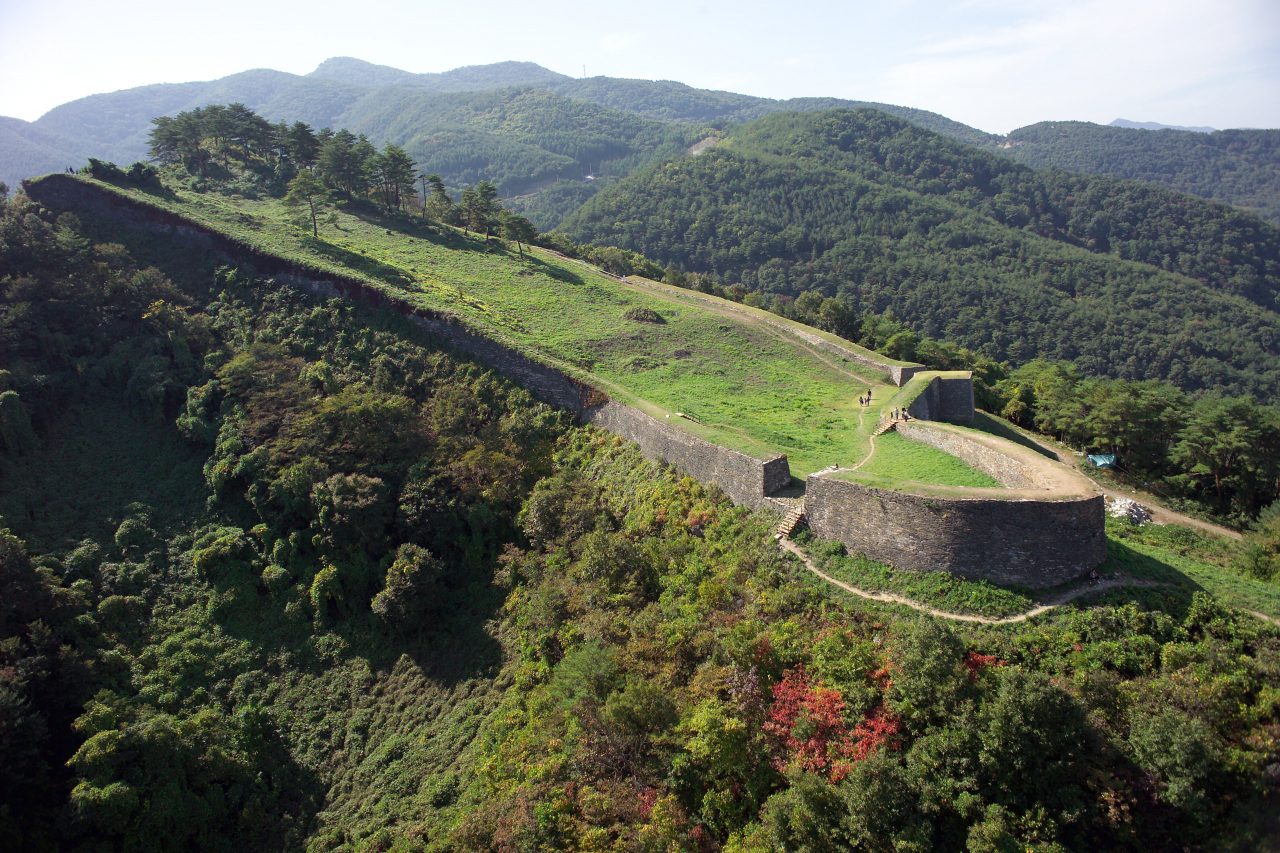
(944, 399)
(1005, 470)
(1036, 544)
(955, 400)
(745, 479)
(926, 406)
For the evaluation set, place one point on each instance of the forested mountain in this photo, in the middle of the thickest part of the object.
(1122, 278)
(1240, 167)
(470, 78)
(664, 100)
(518, 138)
(1237, 166)
(416, 112)
(1155, 125)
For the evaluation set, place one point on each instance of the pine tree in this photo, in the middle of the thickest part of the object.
(518, 229)
(395, 171)
(307, 191)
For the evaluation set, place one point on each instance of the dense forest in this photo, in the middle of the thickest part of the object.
(282, 574)
(1239, 167)
(1120, 278)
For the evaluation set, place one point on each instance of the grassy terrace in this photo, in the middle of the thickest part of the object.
(746, 383)
(901, 458)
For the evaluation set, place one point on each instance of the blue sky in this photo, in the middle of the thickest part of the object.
(994, 64)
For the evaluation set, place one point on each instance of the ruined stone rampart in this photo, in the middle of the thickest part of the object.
(1034, 543)
(745, 479)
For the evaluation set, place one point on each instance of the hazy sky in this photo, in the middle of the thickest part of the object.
(994, 64)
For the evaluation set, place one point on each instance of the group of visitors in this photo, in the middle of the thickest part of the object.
(865, 399)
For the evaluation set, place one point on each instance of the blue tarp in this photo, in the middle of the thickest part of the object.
(1108, 461)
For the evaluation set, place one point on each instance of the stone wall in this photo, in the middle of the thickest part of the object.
(1036, 544)
(955, 399)
(926, 406)
(898, 374)
(745, 479)
(945, 399)
(1004, 469)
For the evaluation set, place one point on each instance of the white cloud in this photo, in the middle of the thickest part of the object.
(1098, 61)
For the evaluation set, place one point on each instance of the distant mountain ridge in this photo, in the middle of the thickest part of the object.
(546, 138)
(664, 100)
(115, 125)
(469, 78)
(1154, 125)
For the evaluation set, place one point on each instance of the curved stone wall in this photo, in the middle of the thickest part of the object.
(1034, 543)
(1005, 469)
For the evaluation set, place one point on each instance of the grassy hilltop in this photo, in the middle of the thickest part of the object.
(741, 381)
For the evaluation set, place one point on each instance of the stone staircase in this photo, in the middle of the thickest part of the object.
(885, 426)
(791, 522)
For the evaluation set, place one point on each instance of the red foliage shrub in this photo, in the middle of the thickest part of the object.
(808, 723)
(975, 663)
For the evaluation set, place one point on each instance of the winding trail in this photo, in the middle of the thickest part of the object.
(1159, 514)
(890, 598)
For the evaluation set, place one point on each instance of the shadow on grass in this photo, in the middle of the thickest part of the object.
(992, 425)
(371, 267)
(435, 233)
(556, 272)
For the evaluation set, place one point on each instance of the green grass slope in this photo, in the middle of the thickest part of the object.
(903, 459)
(742, 382)
(1122, 278)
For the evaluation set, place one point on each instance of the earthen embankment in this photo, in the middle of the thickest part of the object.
(745, 479)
